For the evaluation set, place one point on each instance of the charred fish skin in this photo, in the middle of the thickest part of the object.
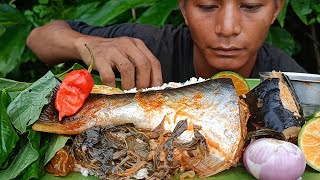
(271, 108)
(213, 106)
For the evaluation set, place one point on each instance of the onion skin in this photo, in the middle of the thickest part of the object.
(269, 158)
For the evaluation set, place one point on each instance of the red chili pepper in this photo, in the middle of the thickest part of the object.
(74, 90)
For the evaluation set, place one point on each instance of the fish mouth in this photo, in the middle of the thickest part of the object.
(227, 50)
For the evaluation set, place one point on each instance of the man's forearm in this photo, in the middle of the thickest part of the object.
(54, 43)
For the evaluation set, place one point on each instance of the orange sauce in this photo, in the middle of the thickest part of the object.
(150, 103)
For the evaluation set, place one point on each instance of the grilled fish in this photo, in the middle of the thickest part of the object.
(274, 105)
(210, 110)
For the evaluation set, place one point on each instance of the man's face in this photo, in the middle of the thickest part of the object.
(228, 33)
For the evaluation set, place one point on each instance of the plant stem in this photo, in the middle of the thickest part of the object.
(133, 12)
(91, 58)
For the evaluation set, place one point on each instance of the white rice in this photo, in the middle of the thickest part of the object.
(192, 80)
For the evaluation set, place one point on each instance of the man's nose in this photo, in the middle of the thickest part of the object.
(228, 22)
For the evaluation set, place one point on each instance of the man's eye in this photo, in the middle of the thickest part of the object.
(208, 7)
(250, 7)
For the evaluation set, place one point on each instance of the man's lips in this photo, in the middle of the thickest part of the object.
(227, 51)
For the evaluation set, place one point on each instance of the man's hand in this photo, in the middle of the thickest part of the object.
(138, 67)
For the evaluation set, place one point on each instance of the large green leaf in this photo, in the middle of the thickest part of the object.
(13, 87)
(8, 135)
(2, 30)
(56, 143)
(158, 13)
(231, 174)
(10, 15)
(13, 43)
(71, 176)
(32, 171)
(25, 109)
(282, 15)
(112, 9)
(26, 156)
(81, 11)
(241, 173)
(302, 8)
(280, 38)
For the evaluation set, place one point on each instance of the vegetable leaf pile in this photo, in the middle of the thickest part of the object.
(25, 109)
(24, 152)
(8, 135)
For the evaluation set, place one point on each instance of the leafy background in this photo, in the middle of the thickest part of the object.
(296, 31)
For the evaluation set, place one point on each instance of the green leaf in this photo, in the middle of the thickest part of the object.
(241, 173)
(55, 144)
(81, 11)
(25, 109)
(158, 13)
(13, 87)
(71, 176)
(253, 82)
(43, 1)
(25, 157)
(8, 135)
(112, 9)
(2, 30)
(75, 66)
(5, 98)
(32, 171)
(302, 8)
(13, 43)
(280, 38)
(282, 15)
(10, 15)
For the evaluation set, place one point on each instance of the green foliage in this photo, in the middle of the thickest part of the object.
(25, 109)
(24, 158)
(57, 142)
(24, 154)
(157, 14)
(307, 10)
(282, 39)
(18, 18)
(13, 88)
(7, 134)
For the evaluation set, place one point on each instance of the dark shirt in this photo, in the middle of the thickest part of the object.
(174, 48)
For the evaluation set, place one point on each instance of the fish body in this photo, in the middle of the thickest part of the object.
(211, 108)
(274, 105)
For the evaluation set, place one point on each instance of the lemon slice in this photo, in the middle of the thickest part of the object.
(309, 142)
(241, 85)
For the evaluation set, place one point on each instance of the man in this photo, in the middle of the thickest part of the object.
(220, 35)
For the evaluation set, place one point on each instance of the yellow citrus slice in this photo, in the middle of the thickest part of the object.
(309, 142)
(317, 114)
(241, 85)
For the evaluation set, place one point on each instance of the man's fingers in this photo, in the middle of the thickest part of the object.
(155, 73)
(106, 74)
(142, 65)
(127, 71)
(135, 62)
